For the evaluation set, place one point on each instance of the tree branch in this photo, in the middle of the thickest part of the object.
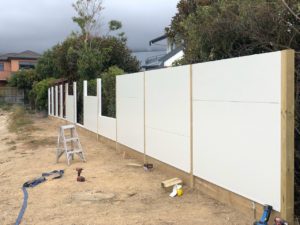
(291, 11)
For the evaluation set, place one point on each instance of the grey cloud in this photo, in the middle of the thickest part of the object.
(39, 24)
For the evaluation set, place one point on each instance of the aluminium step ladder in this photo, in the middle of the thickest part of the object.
(69, 143)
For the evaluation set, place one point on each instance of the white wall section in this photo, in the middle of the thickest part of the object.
(49, 101)
(107, 127)
(167, 113)
(70, 108)
(52, 101)
(56, 100)
(71, 104)
(237, 125)
(61, 94)
(90, 113)
(90, 116)
(130, 110)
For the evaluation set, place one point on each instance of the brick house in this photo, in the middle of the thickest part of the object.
(13, 62)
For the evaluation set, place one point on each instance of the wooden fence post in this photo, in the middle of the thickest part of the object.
(287, 134)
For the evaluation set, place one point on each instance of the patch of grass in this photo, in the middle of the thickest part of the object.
(5, 106)
(12, 148)
(42, 142)
(11, 142)
(19, 120)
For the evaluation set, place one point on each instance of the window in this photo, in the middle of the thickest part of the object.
(26, 65)
(1, 66)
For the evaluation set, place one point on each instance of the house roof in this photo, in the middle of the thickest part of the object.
(170, 55)
(22, 55)
(158, 61)
(160, 38)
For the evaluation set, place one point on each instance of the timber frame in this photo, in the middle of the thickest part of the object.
(287, 134)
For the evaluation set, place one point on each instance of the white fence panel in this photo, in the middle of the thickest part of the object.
(236, 113)
(90, 113)
(107, 127)
(167, 115)
(56, 100)
(70, 108)
(130, 110)
(61, 94)
(52, 101)
(49, 101)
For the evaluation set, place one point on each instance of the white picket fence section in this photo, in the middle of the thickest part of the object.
(232, 107)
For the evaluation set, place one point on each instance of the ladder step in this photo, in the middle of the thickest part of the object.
(71, 126)
(76, 151)
(72, 139)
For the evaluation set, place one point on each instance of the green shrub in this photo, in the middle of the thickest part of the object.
(5, 106)
(39, 93)
(92, 87)
(23, 79)
(109, 91)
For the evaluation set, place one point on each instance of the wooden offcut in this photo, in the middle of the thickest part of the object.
(134, 165)
(287, 135)
(171, 182)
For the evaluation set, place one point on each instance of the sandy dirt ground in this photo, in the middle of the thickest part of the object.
(133, 196)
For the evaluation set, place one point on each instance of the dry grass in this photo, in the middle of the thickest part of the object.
(12, 148)
(19, 121)
(10, 142)
(48, 141)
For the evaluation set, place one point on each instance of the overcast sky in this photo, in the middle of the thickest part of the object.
(39, 24)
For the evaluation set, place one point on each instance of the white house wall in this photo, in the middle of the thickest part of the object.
(236, 112)
(175, 57)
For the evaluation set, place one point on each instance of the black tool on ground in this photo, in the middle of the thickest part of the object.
(265, 216)
(148, 166)
(55, 174)
(80, 178)
(279, 221)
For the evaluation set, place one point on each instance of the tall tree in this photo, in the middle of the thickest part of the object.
(217, 29)
(88, 15)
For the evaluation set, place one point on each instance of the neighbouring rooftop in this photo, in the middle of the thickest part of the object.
(22, 55)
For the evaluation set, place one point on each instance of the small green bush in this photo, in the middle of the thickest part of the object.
(109, 91)
(5, 106)
(23, 79)
(39, 93)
